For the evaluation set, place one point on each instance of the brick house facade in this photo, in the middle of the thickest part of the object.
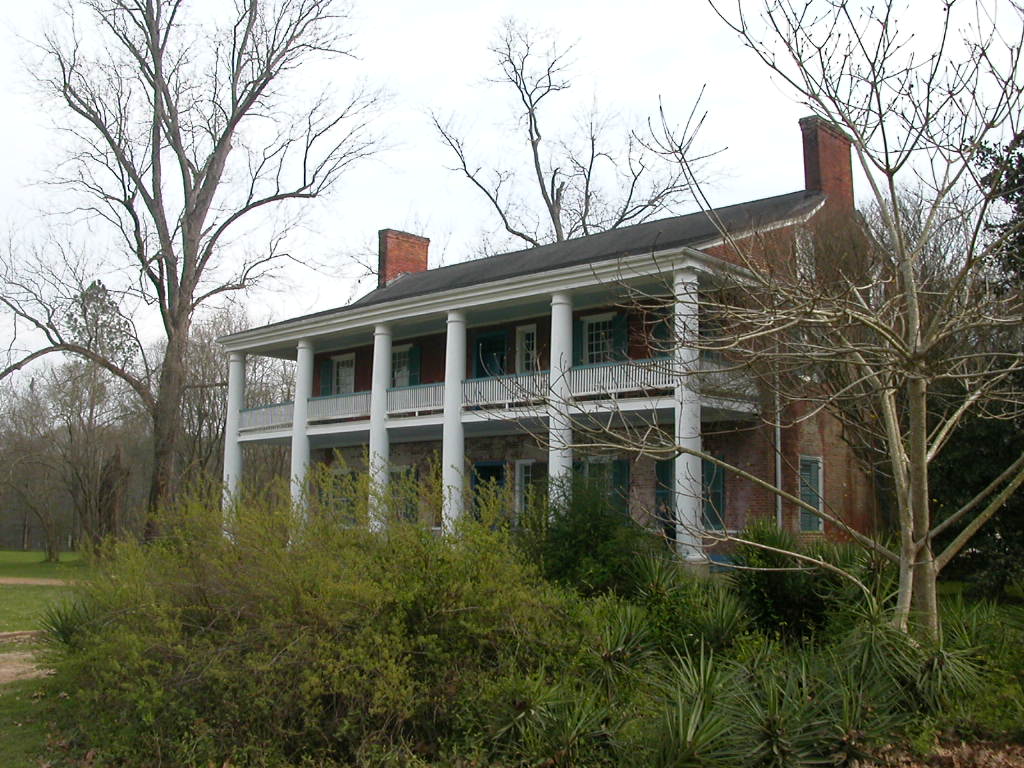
(492, 367)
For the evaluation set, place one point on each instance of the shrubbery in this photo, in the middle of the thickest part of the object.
(272, 638)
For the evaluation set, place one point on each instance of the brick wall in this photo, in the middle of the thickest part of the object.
(848, 490)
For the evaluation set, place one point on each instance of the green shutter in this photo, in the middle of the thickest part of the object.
(620, 484)
(577, 341)
(713, 481)
(810, 493)
(326, 376)
(414, 365)
(620, 336)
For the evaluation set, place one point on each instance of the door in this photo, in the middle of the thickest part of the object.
(491, 350)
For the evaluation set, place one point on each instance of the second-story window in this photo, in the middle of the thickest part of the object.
(344, 374)
(400, 366)
(598, 338)
(526, 349)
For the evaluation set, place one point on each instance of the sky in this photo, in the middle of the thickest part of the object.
(434, 57)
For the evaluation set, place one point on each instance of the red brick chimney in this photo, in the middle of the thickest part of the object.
(399, 253)
(827, 164)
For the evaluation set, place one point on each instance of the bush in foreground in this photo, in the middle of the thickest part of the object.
(278, 639)
(288, 640)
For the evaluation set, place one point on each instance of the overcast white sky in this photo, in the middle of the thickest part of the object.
(433, 56)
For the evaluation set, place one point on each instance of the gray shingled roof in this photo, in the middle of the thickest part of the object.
(676, 232)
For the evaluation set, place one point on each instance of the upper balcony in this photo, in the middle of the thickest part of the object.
(528, 391)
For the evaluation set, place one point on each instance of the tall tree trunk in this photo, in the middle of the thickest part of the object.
(167, 424)
(924, 604)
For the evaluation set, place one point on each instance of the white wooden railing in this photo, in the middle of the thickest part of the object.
(518, 388)
(422, 397)
(349, 406)
(620, 377)
(266, 417)
(505, 390)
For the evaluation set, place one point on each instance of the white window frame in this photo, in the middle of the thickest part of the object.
(526, 363)
(819, 526)
(588, 321)
(397, 350)
(521, 484)
(336, 361)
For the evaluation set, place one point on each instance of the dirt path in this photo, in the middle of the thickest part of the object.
(17, 664)
(20, 581)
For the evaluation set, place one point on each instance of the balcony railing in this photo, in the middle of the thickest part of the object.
(505, 390)
(585, 381)
(619, 377)
(353, 405)
(266, 417)
(422, 397)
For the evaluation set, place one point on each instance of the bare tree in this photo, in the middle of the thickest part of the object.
(897, 321)
(585, 182)
(182, 126)
(31, 465)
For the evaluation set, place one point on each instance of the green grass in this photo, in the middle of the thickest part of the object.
(23, 725)
(31, 565)
(21, 606)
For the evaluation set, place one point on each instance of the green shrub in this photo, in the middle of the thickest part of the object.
(293, 638)
(587, 543)
(783, 595)
(686, 610)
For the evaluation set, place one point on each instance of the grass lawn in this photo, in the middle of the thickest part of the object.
(21, 606)
(31, 565)
(23, 725)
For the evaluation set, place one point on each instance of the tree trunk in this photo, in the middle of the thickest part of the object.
(925, 608)
(167, 425)
(926, 603)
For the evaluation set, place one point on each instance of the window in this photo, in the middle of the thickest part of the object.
(531, 478)
(607, 476)
(598, 338)
(526, 349)
(713, 508)
(810, 493)
(400, 365)
(343, 374)
(404, 493)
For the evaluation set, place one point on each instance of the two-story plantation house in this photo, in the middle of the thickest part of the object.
(492, 365)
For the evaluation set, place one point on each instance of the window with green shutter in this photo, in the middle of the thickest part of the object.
(810, 493)
(713, 483)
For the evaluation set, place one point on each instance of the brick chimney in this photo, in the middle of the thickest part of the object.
(827, 164)
(399, 253)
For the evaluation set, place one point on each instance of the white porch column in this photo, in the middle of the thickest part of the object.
(236, 401)
(381, 380)
(453, 444)
(559, 422)
(300, 410)
(688, 490)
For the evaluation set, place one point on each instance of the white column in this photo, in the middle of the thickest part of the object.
(453, 444)
(688, 491)
(300, 440)
(379, 449)
(236, 401)
(559, 422)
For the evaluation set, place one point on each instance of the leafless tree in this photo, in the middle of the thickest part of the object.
(895, 321)
(30, 465)
(183, 122)
(587, 181)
